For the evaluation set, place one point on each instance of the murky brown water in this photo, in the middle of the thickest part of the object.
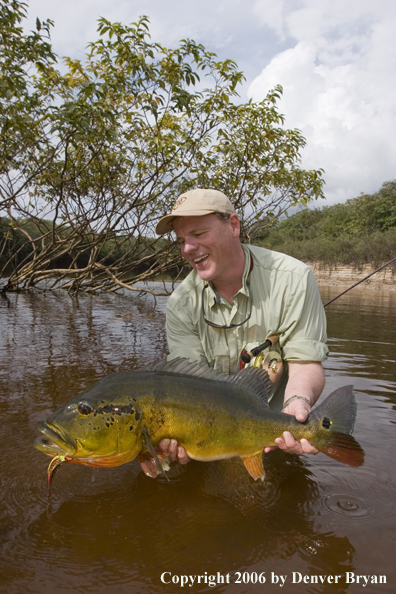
(118, 531)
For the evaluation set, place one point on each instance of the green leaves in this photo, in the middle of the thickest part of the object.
(359, 231)
(102, 150)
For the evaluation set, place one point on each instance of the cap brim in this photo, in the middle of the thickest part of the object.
(164, 225)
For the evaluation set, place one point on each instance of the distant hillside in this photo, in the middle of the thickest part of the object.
(362, 230)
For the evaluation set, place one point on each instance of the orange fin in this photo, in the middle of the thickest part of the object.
(148, 464)
(153, 465)
(345, 449)
(254, 466)
(152, 461)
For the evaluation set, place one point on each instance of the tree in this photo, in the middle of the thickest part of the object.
(361, 230)
(21, 101)
(93, 157)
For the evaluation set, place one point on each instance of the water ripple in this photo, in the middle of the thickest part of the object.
(348, 505)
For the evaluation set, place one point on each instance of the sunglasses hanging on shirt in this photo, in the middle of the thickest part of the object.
(225, 326)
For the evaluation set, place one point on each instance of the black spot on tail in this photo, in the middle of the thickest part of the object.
(326, 423)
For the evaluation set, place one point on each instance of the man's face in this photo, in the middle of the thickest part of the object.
(209, 244)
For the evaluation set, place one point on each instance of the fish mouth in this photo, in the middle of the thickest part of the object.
(54, 442)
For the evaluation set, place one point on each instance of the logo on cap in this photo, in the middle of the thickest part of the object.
(179, 202)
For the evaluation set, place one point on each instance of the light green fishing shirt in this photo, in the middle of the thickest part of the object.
(285, 301)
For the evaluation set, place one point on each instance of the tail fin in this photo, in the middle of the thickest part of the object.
(344, 448)
(336, 419)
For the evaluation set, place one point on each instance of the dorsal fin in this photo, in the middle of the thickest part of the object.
(184, 366)
(253, 380)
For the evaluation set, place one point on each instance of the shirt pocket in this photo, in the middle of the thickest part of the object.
(218, 358)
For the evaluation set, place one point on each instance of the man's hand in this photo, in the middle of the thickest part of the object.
(299, 409)
(289, 445)
(174, 451)
(305, 379)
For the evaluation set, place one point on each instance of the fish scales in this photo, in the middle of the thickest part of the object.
(211, 420)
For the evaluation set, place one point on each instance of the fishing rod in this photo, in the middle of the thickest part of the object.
(247, 356)
(361, 281)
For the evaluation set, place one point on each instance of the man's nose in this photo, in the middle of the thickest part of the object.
(189, 246)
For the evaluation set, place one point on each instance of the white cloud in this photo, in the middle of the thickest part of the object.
(339, 89)
(336, 60)
(271, 14)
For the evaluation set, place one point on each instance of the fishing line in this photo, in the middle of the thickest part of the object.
(360, 281)
(246, 357)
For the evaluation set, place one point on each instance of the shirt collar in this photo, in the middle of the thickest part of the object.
(246, 271)
(244, 290)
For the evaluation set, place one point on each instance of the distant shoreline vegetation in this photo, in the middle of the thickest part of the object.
(359, 231)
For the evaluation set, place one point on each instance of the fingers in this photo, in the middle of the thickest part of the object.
(308, 448)
(174, 451)
(182, 455)
(270, 449)
(289, 445)
(299, 409)
(302, 414)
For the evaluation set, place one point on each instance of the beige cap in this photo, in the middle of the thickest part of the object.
(195, 203)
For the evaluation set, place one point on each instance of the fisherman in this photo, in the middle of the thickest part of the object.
(238, 295)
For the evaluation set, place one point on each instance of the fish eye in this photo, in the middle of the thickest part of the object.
(84, 408)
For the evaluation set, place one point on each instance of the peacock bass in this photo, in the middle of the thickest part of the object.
(213, 416)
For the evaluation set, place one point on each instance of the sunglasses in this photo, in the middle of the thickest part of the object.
(224, 326)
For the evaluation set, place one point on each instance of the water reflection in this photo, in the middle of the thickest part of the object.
(116, 530)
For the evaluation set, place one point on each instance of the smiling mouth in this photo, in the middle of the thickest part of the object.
(200, 259)
(52, 442)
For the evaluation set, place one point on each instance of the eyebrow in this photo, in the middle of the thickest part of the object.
(192, 232)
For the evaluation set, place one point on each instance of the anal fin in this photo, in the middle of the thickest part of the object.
(254, 466)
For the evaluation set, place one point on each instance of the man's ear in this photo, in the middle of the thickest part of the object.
(235, 224)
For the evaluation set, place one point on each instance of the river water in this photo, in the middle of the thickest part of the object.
(117, 531)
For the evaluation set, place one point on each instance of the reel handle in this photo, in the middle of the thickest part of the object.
(247, 356)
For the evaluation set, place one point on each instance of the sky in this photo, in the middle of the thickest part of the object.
(335, 59)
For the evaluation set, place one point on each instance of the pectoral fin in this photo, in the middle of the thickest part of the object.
(153, 463)
(254, 466)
